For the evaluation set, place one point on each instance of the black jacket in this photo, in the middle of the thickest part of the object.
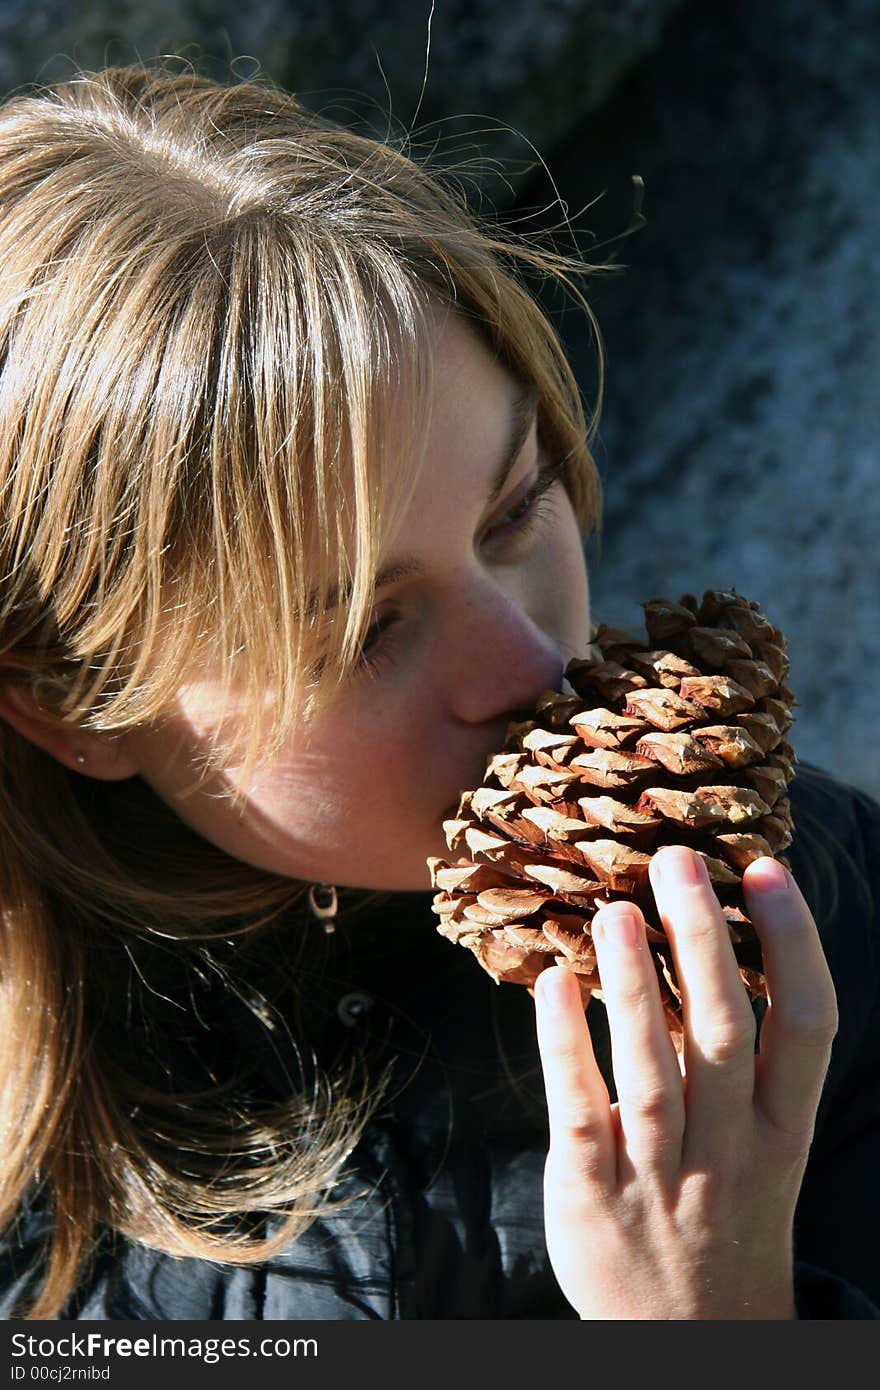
(448, 1223)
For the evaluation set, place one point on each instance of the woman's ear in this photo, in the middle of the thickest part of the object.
(93, 754)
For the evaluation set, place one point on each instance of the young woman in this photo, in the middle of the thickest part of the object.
(295, 480)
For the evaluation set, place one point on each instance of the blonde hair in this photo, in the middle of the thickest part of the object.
(210, 301)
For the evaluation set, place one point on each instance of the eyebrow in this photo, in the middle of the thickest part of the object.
(522, 417)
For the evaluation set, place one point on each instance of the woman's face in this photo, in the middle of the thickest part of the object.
(496, 603)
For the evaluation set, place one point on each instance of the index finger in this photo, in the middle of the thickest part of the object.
(579, 1107)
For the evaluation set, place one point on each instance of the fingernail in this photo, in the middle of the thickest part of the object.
(771, 876)
(618, 924)
(551, 987)
(681, 863)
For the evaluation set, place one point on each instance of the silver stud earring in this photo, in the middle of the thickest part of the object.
(80, 759)
(323, 904)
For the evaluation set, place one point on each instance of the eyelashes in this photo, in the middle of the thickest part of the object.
(528, 511)
(372, 658)
(519, 522)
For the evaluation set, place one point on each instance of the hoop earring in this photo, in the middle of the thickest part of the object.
(324, 904)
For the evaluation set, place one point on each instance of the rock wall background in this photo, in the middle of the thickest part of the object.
(739, 441)
(539, 65)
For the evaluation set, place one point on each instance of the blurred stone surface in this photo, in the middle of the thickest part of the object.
(536, 67)
(740, 441)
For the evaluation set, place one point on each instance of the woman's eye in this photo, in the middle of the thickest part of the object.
(521, 509)
(372, 651)
(375, 630)
(527, 511)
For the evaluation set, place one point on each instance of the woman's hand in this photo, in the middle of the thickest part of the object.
(678, 1200)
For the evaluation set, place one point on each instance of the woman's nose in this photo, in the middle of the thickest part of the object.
(498, 659)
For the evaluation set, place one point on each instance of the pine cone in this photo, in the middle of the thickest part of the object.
(679, 739)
